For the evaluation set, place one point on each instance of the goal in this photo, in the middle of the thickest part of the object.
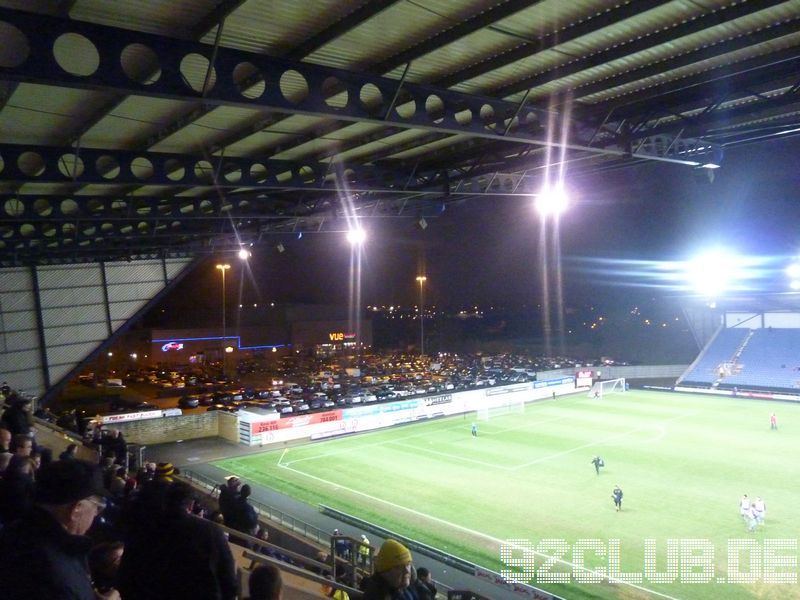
(611, 386)
(509, 407)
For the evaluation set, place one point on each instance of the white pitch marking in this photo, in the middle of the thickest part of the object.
(603, 441)
(498, 541)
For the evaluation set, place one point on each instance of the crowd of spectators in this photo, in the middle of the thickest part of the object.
(79, 530)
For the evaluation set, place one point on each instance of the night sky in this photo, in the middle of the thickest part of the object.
(485, 251)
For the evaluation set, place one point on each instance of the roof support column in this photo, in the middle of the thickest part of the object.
(40, 327)
(106, 303)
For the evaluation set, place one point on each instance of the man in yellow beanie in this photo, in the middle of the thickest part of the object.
(392, 576)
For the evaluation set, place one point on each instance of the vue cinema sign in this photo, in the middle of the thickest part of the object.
(339, 336)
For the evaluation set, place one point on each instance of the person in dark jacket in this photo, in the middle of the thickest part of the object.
(228, 492)
(243, 516)
(16, 489)
(392, 577)
(177, 555)
(424, 586)
(45, 553)
(17, 417)
(70, 453)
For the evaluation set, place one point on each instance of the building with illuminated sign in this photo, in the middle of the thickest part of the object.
(319, 329)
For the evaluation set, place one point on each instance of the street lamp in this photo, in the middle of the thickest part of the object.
(421, 279)
(223, 268)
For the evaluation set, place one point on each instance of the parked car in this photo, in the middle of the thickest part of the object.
(189, 402)
(126, 405)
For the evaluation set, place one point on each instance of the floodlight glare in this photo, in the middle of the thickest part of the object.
(793, 271)
(356, 236)
(795, 284)
(551, 201)
(244, 254)
(711, 274)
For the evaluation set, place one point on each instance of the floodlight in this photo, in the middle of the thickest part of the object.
(244, 254)
(793, 271)
(713, 158)
(552, 200)
(712, 273)
(356, 236)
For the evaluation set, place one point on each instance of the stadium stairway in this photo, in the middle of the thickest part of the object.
(722, 348)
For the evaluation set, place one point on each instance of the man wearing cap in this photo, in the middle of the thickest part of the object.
(392, 576)
(45, 553)
(164, 472)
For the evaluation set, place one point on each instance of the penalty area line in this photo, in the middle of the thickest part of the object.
(617, 436)
(470, 531)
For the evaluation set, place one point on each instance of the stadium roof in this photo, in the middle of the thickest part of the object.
(170, 127)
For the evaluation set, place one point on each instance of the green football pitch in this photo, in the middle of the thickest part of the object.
(683, 462)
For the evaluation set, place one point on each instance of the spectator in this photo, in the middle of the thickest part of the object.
(36, 459)
(174, 554)
(228, 493)
(424, 586)
(165, 471)
(5, 440)
(363, 551)
(146, 473)
(70, 453)
(104, 562)
(109, 470)
(22, 444)
(265, 583)
(116, 445)
(5, 458)
(68, 420)
(243, 517)
(16, 489)
(5, 389)
(117, 485)
(17, 417)
(392, 576)
(341, 545)
(331, 592)
(45, 414)
(45, 553)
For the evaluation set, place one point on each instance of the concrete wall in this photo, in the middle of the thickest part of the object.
(228, 426)
(170, 429)
(57, 440)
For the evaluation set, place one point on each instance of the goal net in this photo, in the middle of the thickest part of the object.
(611, 386)
(509, 407)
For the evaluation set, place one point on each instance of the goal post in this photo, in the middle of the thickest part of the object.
(610, 386)
(509, 407)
